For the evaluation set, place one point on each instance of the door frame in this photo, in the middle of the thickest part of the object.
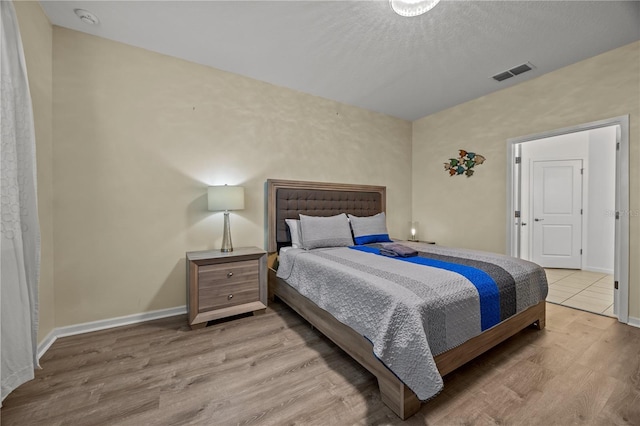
(621, 256)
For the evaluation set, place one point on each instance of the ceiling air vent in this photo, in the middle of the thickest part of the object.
(502, 76)
(513, 72)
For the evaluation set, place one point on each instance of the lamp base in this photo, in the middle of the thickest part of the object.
(227, 246)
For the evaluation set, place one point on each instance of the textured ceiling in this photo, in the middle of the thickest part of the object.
(360, 52)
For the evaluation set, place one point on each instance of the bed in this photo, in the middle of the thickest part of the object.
(289, 199)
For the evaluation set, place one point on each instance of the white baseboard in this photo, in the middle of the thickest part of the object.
(634, 322)
(598, 270)
(46, 343)
(88, 327)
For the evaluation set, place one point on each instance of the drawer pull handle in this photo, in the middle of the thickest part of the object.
(229, 274)
(230, 296)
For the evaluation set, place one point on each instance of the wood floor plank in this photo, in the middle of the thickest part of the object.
(623, 406)
(583, 392)
(275, 369)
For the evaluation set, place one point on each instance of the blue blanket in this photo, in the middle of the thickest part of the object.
(486, 285)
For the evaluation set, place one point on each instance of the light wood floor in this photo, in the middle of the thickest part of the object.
(274, 369)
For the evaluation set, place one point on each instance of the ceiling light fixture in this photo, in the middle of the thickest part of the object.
(412, 7)
(87, 17)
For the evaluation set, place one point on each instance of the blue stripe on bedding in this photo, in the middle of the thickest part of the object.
(368, 239)
(486, 286)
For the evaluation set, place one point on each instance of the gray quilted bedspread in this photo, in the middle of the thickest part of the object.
(410, 311)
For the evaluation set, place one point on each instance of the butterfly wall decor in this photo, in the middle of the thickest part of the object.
(464, 164)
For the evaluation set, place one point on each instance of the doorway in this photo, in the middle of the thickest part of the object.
(579, 227)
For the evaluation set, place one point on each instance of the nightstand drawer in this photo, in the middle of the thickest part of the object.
(228, 284)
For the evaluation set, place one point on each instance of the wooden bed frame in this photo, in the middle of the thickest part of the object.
(394, 393)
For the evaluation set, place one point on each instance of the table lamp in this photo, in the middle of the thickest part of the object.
(226, 198)
(413, 230)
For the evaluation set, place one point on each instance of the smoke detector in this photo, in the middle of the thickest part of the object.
(87, 17)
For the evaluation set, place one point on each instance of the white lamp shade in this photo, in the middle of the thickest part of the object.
(226, 198)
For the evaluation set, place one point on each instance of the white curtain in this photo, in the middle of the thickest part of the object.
(20, 242)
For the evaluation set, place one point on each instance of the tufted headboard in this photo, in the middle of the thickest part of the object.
(286, 199)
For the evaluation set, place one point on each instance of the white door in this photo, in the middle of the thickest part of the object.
(557, 213)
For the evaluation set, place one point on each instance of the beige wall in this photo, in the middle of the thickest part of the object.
(37, 40)
(470, 212)
(139, 136)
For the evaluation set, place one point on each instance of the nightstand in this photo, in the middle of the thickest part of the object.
(221, 284)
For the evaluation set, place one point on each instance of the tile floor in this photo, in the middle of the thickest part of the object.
(589, 291)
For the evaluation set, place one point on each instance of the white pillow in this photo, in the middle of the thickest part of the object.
(370, 229)
(331, 231)
(294, 230)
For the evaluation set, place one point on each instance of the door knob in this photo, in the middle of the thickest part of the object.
(538, 220)
(524, 223)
